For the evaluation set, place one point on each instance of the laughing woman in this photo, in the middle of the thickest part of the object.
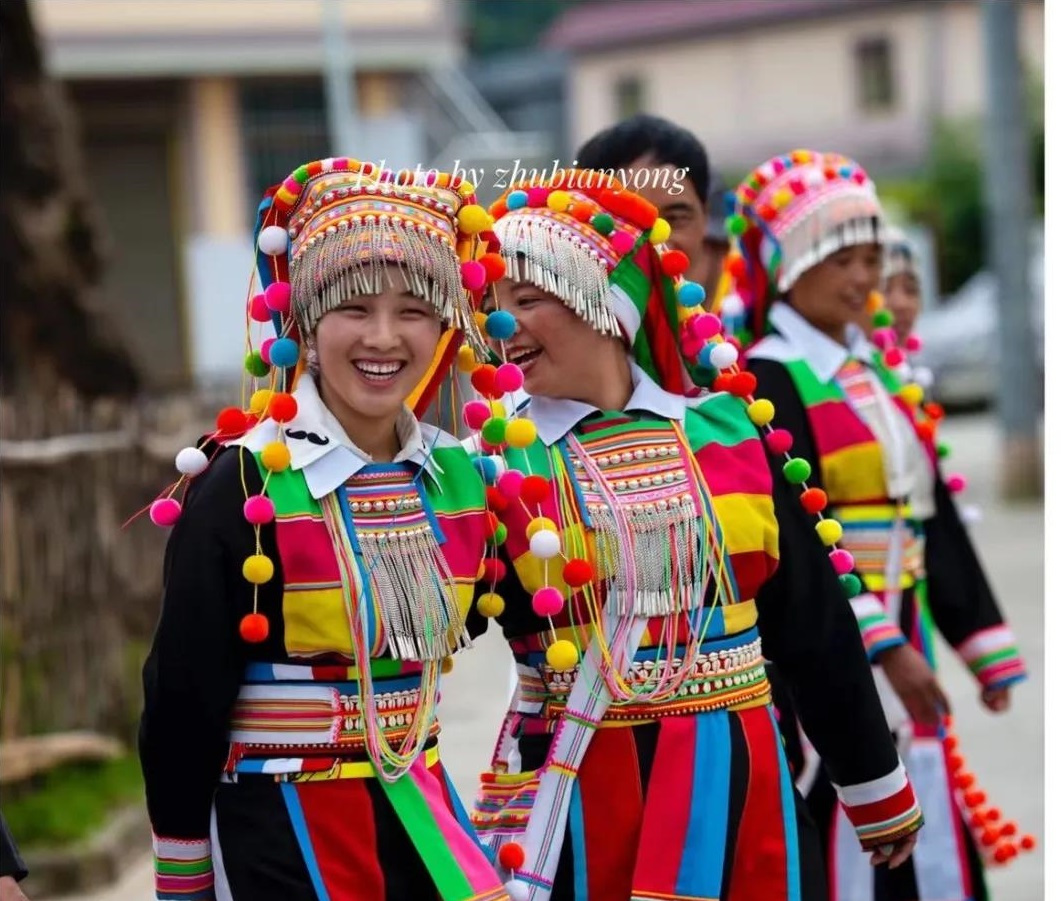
(320, 572)
(650, 556)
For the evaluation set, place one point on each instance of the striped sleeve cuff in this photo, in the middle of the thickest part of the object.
(992, 656)
(878, 631)
(183, 871)
(883, 810)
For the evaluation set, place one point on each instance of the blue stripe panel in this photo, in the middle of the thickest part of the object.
(700, 873)
(298, 823)
(788, 817)
(577, 830)
(459, 812)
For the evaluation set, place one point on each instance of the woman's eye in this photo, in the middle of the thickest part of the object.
(414, 313)
(527, 301)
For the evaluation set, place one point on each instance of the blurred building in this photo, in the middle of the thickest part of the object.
(189, 109)
(753, 78)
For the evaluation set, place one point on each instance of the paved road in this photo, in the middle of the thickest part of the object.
(1005, 752)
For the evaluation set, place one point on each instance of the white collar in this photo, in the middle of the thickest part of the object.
(555, 417)
(824, 355)
(323, 452)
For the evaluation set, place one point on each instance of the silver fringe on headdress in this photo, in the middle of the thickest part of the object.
(899, 255)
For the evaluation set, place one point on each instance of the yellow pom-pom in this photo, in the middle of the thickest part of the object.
(912, 394)
(685, 312)
(562, 655)
(659, 232)
(520, 433)
(466, 361)
(761, 411)
(497, 410)
(466, 189)
(472, 220)
(260, 400)
(801, 156)
(490, 604)
(480, 320)
(275, 456)
(447, 665)
(559, 201)
(875, 301)
(829, 531)
(782, 198)
(258, 569)
(540, 524)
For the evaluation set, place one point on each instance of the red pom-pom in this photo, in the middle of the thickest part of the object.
(577, 572)
(492, 522)
(779, 441)
(493, 570)
(1027, 842)
(949, 743)
(534, 490)
(231, 421)
(722, 382)
(483, 380)
(1008, 829)
(736, 267)
(926, 430)
(582, 210)
(893, 357)
(674, 263)
(510, 856)
(254, 628)
(993, 814)
(933, 410)
(964, 780)
(495, 500)
(977, 819)
(955, 762)
(494, 264)
(989, 837)
(976, 797)
(743, 384)
(814, 500)
(282, 407)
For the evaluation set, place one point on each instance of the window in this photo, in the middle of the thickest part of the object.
(875, 82)
(629, 97)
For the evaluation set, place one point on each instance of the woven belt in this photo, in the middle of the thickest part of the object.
(868, 532)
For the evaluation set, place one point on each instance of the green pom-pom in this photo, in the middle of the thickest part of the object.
(883, 318)
(942, 450)
(851, 584)
(736, 225)
(255, 365)
(603, 223)
(494, 431)
(797, 470)
(499, 536)
(301, 174)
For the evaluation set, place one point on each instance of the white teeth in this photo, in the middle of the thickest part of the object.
(379, 369)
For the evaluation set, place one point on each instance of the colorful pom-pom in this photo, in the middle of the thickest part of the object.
(509, 483)
(475, 414)
(490, 604)
(283, 353)
(736, 225)
(255, 365)
(258, 309)
(272, 240)
(165, 512)
(495, 500)
(883, 318)
(760, 411)
(278, 297)
(691, 294)
(466, 360)
(956, 484)
(501, 325)
(534, 490)
(537, 197)
(510, 855)
(912, 394)
(674, 263)
(582, 210)
(231, 421)
(547, 601)
(509, 378)
(473, 275)
(660, 231)
(562, 655)
(483, 380)
(843, 561)
(254, 628)
(603, 224)
(829, 531)
(473, 219)
(487, 468)
(706, 326)
(743, 384)
(623, 242)
(893, 357)
(558, 201)
(258, 569)
(577, 572)
(520, 433)
(494, 264)
(851, 585)
(723, 355)
(259, 510)
(191, 461)
(540, 524)
(779, 441)
(517, 890)
(500, 535)
(545, 545)
(282, 407)
(259, 401)
(494, 431)
(275, 456)
(913, 343)
(796, 470)
(491, 570)
(814, 500)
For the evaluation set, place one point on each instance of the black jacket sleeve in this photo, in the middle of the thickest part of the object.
(11, 862)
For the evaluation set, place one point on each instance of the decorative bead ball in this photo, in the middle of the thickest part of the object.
(577, 572)
(558, 201)
(913, 343)
(479, 318)
(674, 262)
(943, 451)
(494, 264)
(851, 585)
(706, 326)
(259, 510)
(736, 267)
(446, 666)
(283, 353)
(516, 200)
(581, 210)
(259, 311)
(760, 411)
(703, 357)
(466, 361)
(537, 197)
(497, 409)
(926, 430)
(732, 306)
(472, 220)
(282, 407)
(796, 470)
(495, 500)
(490, 604)
(723, 355)
(562, 655)
(883, 337)
(266, 348)
(912, 395)
(510, 855)
(255, 365)
(814, 500)
(736, 225)
(540, 524)
(509, 378)
(272, 240)
(829, 531)
(500, 535)
(491, 570)
(510, 483)
(475, 414)
(500, 325)
(779, 441)
(545, 545)
(254, 628)
(842, 561)
(956, 484)
(547, 601)
(883, 319)
(534, 490)
(603, 224)
(660, 231)
(893, 356)
(165, 511)
(278, 297)
(231, 421)
(691, 294)
(623, 242)
(258, 569)
(722, 381)
(275, 456)
(191, 461)
(1027, 842)
(743, 384)
(483, 379)
(259, 402)
(520, 433)
(517, 891)
(494, 431)
(487, 468)
(473, 275)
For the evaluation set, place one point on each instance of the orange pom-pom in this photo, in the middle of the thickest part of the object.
(926, 430)
(494, 264)
(254, 628)
(722, 382)
(483, 380)
(510, 856)
(933, 410)
(582, 210)
(674, 263)
(814, 500)
(282, 407)
(630, 206)
(736, 267)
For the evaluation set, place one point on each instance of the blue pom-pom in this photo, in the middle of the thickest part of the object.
(690, 294)
(283, 353)
(845, 171)
(516, 199)
(500, 325)
(487, 469)
(730, 199)
(704, 356)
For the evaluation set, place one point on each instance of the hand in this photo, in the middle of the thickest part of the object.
(10, 891)
(894, 854)
(996, 699)
(916, 685)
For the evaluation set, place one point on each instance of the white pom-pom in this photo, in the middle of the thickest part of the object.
(732, 305)
(272, 240)
(517, 891)
(923, 376)
(191, 461)
(545, 545)
(970, 515)
(723, 355)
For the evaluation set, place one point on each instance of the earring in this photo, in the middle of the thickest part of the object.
(313, 363)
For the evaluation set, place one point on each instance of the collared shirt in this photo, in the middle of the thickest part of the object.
(323, 452)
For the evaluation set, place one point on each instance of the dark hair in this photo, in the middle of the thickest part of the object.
(641, 135)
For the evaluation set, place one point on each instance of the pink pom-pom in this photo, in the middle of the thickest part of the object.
(779, 441)
(293, 185)
(473, 275)
(623, 242)
(509, 377)
(691, 346)
(278, 297)
(913, 344)
(956, 483)
(386, 175)
(884, 337)
(509, 483)
(258, 510)
(267, 345)
(165, 511)
(842, 561)
(537, 196)
(475, 414)
(547, 601)
(259, 309)
(706, 326)
(893, 357)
